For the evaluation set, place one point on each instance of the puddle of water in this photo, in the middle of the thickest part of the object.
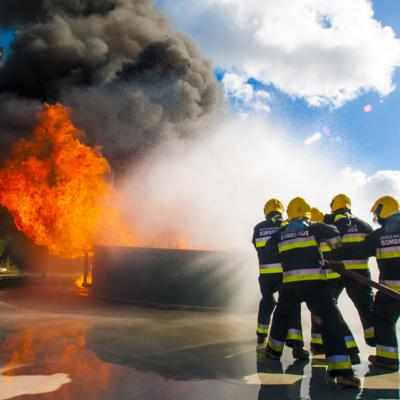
(13, 386)
(272, 379)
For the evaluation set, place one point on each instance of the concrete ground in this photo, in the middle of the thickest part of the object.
(58, 343)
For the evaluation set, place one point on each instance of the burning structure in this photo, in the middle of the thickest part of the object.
(196, 279)
(99, 84)
(128, 80)
(54, 186)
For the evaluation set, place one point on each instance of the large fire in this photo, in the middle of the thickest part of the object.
(54, 186)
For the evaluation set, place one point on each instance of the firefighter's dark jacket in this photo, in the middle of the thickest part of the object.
(297, 244)
(353, 232)
(384, 244)
(261, 235)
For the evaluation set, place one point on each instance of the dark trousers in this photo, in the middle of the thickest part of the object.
(363, 299)
(319, 299)
(269, 285)
(386, 313)
(317, 341)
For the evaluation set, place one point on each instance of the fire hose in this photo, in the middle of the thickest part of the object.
(339, 267)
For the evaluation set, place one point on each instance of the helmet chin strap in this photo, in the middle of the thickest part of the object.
(377, 215)
(379, 210)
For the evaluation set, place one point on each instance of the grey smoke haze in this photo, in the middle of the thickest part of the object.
(22, 12)
(126, 74)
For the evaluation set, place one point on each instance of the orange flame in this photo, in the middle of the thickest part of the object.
(54, 187)
(79, 282)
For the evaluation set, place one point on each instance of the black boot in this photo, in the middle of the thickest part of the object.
(374, 360)
(300, 354)
(355, 359)
(348, 381)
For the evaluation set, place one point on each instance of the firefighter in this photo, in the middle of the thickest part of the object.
(384, 244)
(353, 231)
(270, 280)
(304, 280)
(317, 342)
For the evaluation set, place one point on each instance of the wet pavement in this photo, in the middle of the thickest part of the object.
(58, 343)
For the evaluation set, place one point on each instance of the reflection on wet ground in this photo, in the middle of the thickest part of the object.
(57, 344)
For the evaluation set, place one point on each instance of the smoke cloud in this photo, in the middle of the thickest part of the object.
(119, 65)
(214, 192)
(16, 13)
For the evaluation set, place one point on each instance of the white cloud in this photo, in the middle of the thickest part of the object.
(327, 52)
(235, 86)
(237, 89)
(367, 189)
(315, 137)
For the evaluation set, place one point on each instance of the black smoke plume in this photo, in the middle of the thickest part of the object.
(127, 75)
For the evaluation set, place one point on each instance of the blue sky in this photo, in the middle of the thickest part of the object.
(372, 137)
(369, 139)
(377, 134)
(5, 38)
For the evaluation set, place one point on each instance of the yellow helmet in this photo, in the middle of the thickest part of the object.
(273, 205)
(340, 201)
(298, 208)
(316, 215)
(385, 206)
